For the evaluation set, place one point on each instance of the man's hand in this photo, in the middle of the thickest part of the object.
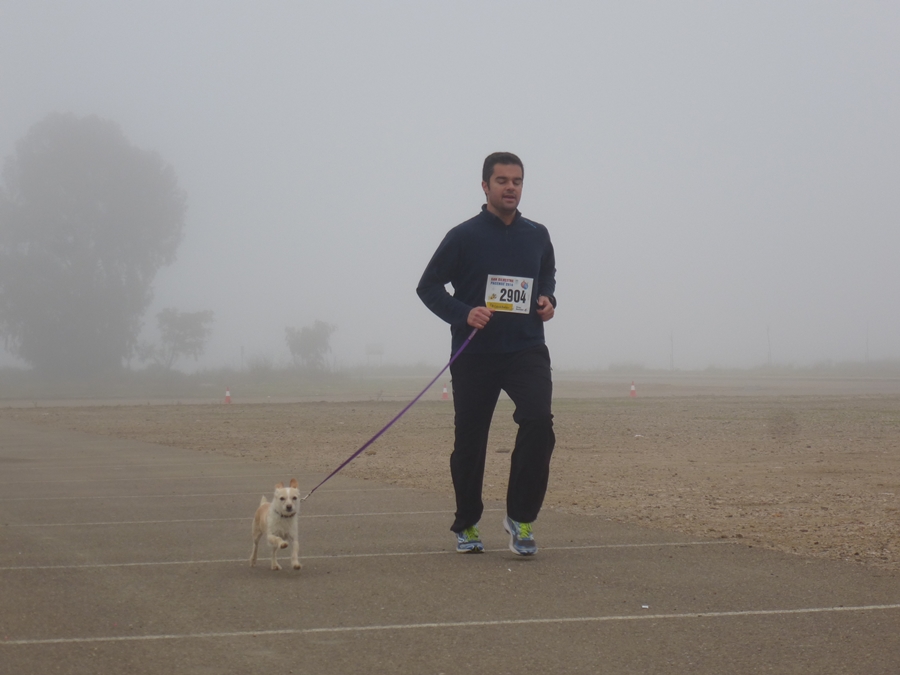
(479, 316)
(545, 308)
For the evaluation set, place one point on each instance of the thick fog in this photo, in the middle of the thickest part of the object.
(720, 180)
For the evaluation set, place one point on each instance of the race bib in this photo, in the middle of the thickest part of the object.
(508, 294)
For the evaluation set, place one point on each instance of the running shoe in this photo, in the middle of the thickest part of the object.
(469, 541)
(521, 537)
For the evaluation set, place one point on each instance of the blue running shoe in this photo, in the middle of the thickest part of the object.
(521, 537)
(469, 541)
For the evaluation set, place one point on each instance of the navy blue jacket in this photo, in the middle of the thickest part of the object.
(468, 254)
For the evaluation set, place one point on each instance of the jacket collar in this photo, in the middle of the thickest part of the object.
(496, 220)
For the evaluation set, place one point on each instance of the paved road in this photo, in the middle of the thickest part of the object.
(125, 557)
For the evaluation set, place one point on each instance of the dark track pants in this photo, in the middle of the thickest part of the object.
(477, 380)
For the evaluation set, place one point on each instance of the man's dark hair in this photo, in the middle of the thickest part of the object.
(499, 158)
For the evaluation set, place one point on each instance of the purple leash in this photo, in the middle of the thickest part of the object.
(399, 415)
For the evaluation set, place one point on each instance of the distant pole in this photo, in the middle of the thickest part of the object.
(671, 351)
(769, 340)
(867, 341)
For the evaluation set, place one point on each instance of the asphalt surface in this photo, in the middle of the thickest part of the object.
(126, 557)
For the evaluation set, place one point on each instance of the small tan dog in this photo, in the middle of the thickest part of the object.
(278, 521)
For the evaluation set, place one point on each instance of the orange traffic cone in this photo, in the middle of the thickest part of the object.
(227, 395)
(633, 393)
(444, 395)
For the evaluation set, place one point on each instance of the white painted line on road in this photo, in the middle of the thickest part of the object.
(190, 495)
(220, 520)
(126, 479)
(130, 522)
(388, 554)
(453, 624)
(44, 464)
(47, 465)
(161, 563)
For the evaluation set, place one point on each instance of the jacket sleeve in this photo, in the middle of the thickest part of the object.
(547, 281)
(440, 271)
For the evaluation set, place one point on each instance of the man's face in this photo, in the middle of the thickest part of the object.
(504, 190)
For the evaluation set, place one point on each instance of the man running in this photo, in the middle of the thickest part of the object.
(503, 272)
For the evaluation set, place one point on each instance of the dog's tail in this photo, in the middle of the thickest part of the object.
(263, 500)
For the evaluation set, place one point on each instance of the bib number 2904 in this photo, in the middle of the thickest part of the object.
(513, 295)
(508, 294)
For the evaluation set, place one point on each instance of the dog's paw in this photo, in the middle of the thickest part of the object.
(283, 544)
(297, 566)
(276, 567)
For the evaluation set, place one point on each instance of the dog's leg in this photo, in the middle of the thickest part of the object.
(256, 537)
(259, 527)
(295, 555)
(276, 543)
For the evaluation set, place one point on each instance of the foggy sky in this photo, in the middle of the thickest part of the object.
(713, 175)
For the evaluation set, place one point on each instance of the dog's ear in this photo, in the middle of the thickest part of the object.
(279, 486)
(294, 483)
